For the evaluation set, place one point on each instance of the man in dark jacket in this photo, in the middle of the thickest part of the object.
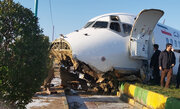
(178, 77)
(154, 64)
(178, 73)
(167, 61)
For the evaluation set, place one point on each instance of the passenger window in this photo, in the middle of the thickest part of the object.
(171, 41)
(115, 26)
(175, 43)
(167, 40)
(100, 24)
(127, 28)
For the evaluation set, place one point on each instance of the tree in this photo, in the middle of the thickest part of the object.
(24, 54)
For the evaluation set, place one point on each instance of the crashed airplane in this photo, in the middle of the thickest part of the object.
(111, 48)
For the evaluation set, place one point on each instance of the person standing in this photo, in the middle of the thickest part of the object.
(167, 61)
(178, 77)
(154, 64)
(178, 73)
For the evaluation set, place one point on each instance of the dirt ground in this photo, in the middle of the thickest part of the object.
(55, 101)
(44, 100)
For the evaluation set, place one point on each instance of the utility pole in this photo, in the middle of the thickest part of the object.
(35, 7)
(53, 34)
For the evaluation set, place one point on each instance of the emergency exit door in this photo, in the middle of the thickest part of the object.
(141, 31)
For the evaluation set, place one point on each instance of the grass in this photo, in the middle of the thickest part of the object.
(170, 92)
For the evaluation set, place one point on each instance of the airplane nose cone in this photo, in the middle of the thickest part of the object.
(60, 49)
(60, 44)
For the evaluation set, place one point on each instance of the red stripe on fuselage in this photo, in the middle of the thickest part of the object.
(167, 33)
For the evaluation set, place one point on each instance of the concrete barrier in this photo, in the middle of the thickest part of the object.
(147, 98)
(172, 103)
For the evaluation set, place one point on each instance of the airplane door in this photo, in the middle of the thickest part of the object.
(141, 31)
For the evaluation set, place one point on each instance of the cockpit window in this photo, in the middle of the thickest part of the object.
(100, 24)
(88, 24)
(127, 28)
(115, 26)
(114, 18)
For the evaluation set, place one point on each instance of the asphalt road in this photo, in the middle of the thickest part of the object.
(83, 101)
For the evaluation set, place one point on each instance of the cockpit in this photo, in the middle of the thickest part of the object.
(112, 23)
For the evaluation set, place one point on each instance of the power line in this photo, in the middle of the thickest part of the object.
(51, 19)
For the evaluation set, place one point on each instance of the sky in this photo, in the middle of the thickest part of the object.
(71, 15)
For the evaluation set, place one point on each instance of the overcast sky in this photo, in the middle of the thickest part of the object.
(70, 15)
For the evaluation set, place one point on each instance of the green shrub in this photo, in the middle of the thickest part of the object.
(24, 54)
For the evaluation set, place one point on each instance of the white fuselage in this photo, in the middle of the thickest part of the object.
(106, 48)
(164, 34)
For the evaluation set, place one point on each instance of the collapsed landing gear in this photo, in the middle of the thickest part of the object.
(70, 77)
